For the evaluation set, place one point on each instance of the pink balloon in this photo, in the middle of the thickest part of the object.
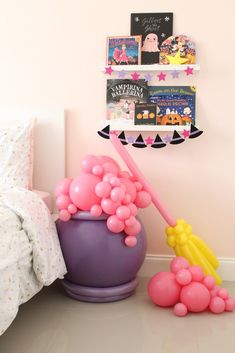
(107, 159)
(124, 174)
(130, 221)
(72, 208)
(223, 293)
(230, 304)
(82, 191)
(109, 206)
(88, 162)
(107, 177)
(183, 277)
(130, 188)
(96, 210)
(130, 241)
(127, 199)
(209, 282)
(117, 194)
(64, 215)
(115, 181)
(214, 291)
(197, 273)
(138, 185)
(63, 187)
(178, 263)
(114, 224)
(134, 229)
(97, 170)
(217, 305)
(103, 189)
(180, 309)
(163, 289)
(133, 209)
(62, 201)
(195, 296)
(110, 167)
(123, 212)
(143, 199)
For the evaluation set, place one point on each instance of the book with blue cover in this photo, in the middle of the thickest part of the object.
(176, 105)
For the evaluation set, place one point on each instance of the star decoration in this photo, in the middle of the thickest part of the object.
(167, 139)
(185, 133)
(148, 77)
(175, 74)
(163, 35)
(167, 18)
(176, 60)
(161, 76)
(108, 70)
(189, 71)
(149, 140)
(130, 139)
(121, 74)
(135, 76)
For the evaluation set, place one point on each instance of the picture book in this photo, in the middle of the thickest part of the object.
(145, 114)
(175, 104)
(154, 29)
(122, 96)
(124, 50)
(178, 50)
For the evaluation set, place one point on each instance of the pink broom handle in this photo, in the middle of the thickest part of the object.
(139, 175)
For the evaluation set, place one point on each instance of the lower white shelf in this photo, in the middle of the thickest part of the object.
(127, 125)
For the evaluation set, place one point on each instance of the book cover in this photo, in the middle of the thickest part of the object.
(122, 96)
(124, 50)
(154, 29)
(145, 114)
(177, 50)
(176, 105)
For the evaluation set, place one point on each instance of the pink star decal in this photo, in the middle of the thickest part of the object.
(185, 133)
(161, 76)
(149, 140)
(189, 71)
(108, 70)
(135, 76)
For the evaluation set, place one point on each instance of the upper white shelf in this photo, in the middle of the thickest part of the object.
(154, 67)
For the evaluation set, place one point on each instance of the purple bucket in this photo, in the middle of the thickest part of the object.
(100, 266)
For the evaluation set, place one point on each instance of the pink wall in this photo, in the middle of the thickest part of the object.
(52, 53)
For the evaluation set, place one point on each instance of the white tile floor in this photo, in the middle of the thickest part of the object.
(54, 323)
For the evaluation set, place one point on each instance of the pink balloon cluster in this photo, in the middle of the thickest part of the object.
(188, 290)
(103, 188)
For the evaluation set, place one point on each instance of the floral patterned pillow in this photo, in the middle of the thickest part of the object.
(16, 158)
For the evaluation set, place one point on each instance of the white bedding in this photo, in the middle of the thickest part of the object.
(30, 254)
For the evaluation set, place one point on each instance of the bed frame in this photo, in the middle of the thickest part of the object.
(49, 144)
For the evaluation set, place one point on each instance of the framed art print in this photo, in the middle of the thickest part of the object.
(125, 50)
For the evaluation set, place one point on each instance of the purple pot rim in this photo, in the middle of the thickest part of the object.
(85, 215)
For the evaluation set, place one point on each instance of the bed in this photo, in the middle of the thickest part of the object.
(30, 254)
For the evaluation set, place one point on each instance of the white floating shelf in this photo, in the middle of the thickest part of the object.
(129, 126)
(153, 67)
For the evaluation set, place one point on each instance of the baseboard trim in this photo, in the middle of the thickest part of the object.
(156, 263)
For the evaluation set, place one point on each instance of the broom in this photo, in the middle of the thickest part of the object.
(179, 234)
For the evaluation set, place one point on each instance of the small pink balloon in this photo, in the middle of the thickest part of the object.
(209, 282)
(127, 199)
(115, 181)
(130, 188)
(114, 224)
(195, 296)
(96, 210)
(109, 207)
(110, 167)
(230, 304)
(82, 191)
(88, 162)
(214, 291)
(72, 208)
(163, 289)
(178, 263)
(130, 241)
(138, 185)
(223, 293)
(130, 221)
(180, 309)
(183, 277)
(123, 212)
(217, 305)
(62, 187)
(97, 170)
(64, 215)
(134, 229)
(133, 209)
(197, 273)
(143, 199)
(103, 189)
(107, 177)
(117, 194)
(62, 202)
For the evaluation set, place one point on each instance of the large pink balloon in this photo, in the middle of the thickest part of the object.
(106, 159)
(88, 162)
(130, 188)
(114, 224)
(82, 191)
(109, 206)
(195, 296)
(63, 187)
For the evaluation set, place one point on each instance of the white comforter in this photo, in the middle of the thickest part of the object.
(30, 254)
